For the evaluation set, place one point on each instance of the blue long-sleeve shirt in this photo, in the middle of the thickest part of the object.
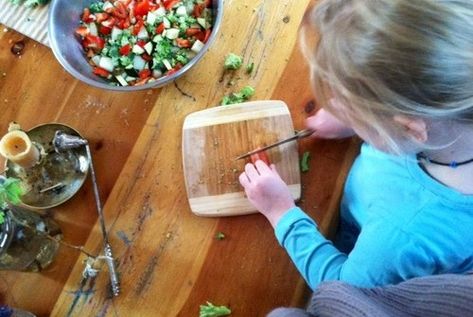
(396, 223)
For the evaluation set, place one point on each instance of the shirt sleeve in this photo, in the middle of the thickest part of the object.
(382, 254)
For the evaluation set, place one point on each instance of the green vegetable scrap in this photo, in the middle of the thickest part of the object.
(210, 310)
(250, 67)
(305, 162)
(238, 97)
(30, 3)
(10, 191)
(233, 61)
(220, 236)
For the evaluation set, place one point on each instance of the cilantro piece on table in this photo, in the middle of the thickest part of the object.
(35, 3)
(250, 67)
(211, 310)
(305, 162)
(220, 235)
(238, 97)
(233, 61)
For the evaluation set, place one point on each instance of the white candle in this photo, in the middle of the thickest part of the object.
(17, 147)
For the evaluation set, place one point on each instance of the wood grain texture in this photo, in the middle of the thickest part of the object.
(34, 89)
(213, 138)
(169, 259)
(168, 263)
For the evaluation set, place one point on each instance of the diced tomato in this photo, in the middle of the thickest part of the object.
(125, 50)
(141, 43)
(94, 42)
(105, 30)
(120, 10)
(197, 12)
(82, 30)
(183, 43)
(123, 24)
(137, 27)
(207, 35)
(175, 69)
(142, 8)
(86, 17)
(200, 36)
(192, 31)
(101, 16)
(260, 156)
(146, 57)
(101, 72)
(110, 22)
(142, 81)
(169, 4)
(160, 28)
(145, 73)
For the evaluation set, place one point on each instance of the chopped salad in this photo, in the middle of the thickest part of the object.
(133, 42)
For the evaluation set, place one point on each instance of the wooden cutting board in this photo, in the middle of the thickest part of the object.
(211, 140)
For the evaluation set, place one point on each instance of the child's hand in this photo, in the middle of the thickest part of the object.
(327, 126)
(266, 190)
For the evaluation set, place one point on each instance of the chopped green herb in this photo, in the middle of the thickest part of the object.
(238, 97)
(250, 67)
(2, 217)
(96, 7)
(10, 191)
(220, 236)
(305, 162)
(210, 310)
(233, 61)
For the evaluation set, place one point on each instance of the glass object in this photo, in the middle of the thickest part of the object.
(6, 311)
(24, 241)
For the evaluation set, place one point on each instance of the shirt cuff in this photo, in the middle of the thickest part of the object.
(288, 220)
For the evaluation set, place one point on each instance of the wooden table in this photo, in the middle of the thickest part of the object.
(169, 260)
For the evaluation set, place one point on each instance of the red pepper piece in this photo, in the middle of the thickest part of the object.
(183, 43)
(169, 4)
(160, 28)
(82, 30)
(125, 50)
(105, 30)
(145, 73)
(142, 8)
(262, 156)
(101, 72)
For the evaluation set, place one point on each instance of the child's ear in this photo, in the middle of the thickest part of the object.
(415, 127)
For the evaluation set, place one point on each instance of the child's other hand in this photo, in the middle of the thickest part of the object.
(327, 126)
(266, 190)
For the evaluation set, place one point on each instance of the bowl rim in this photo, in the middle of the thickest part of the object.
(52, 34)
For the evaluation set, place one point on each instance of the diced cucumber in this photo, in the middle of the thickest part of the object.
(172, 34)
(148, 48)
(138, 63)
(166, 22)
(96, 60)
(158, 38)
(106, 63)
(137, 49)
(198, 45)
(167, 64)
(157, 73)
(130, 78)
(151, 18)
(143, 34)
(202, 22)
(160, 12)
(121, 80)
(115, 33)
(93, 29)
(107, 6)
(181, 11)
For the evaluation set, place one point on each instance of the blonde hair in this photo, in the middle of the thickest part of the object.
(382, 58)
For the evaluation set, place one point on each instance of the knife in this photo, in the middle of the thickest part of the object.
(299, 135)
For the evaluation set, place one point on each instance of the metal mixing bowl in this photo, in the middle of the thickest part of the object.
(64, 18)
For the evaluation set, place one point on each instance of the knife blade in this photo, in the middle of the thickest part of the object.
(299, 135)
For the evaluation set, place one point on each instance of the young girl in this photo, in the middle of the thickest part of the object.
(399, 74)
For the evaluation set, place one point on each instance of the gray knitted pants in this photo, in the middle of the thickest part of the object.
(438, 295)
